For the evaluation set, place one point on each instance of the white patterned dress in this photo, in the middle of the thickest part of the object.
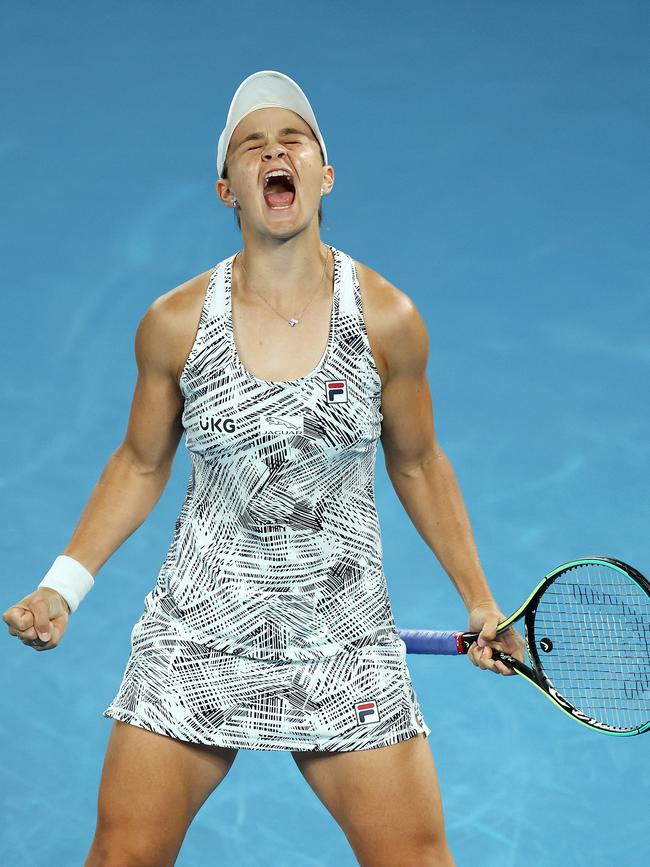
(269, 626)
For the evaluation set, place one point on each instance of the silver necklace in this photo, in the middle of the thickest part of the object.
(293, 321)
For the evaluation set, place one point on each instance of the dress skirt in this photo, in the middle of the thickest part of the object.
(349, 701)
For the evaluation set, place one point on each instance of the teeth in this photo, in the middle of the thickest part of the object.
(276, 174)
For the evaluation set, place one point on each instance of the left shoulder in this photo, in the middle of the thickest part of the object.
(396, 330)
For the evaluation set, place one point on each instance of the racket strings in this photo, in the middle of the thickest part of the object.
(592, 637)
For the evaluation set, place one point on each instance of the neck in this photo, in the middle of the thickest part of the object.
(283, 272)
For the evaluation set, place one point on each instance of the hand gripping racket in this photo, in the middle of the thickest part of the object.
(588, 638)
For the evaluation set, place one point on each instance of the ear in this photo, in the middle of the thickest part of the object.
(328, 180)
(225, 193)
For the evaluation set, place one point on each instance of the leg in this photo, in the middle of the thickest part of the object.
(151, 788)
(386, 801)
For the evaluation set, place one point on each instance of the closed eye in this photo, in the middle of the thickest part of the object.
(289, 141)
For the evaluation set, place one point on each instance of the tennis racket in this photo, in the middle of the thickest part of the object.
(588, 638)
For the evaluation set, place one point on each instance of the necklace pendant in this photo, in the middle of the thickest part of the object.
(293, 322)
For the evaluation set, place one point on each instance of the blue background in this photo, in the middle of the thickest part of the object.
(491, 160)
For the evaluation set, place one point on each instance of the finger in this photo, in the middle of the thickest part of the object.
(36, 643)
(27, 633)
(29, 636)
(517, 650)
(489, 660)
(41, 610)
(482, 656)
(498, 667)
(504, 667)
(488, 633)
(39, 646)
(18, 618)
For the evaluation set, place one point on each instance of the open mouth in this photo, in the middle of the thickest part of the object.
(279, 193)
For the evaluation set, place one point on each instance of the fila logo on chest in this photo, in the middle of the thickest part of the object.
(336, 391)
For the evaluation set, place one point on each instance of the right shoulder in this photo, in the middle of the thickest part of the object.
(166, 332)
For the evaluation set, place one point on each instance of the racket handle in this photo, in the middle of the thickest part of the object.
(431, 641)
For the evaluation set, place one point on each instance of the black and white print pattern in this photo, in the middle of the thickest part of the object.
(270, 625)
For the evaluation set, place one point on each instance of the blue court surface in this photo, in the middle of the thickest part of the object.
(491, 160)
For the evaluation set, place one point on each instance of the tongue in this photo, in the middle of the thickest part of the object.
(273, 200)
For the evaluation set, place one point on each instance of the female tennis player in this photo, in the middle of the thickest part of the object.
(270, 626)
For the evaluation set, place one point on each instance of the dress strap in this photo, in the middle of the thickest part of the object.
(222, 272)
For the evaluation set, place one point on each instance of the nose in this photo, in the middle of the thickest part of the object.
(273, 150)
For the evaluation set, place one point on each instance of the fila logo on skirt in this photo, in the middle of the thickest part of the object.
(366, 712)
(336, 391)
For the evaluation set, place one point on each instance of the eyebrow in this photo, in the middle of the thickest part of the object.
(287, 130)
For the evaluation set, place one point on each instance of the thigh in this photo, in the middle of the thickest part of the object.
(386, 800)
(151, 788)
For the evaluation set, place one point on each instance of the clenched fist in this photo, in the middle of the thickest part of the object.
(39, 619)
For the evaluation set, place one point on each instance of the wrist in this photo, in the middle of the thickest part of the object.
(482, 603)
(70, 579)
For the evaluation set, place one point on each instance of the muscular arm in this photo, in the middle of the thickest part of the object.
(417, 467)
(135, 475)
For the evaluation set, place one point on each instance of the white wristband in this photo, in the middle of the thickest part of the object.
(70, 579)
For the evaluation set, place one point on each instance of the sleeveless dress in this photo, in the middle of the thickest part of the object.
(269, 626)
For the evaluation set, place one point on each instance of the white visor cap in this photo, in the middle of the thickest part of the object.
(266, 89)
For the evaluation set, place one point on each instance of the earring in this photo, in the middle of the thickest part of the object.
(235, 203)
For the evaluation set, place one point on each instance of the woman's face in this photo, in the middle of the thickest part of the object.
(266, 139)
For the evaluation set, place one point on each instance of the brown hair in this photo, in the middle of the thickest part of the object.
(224, 175)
